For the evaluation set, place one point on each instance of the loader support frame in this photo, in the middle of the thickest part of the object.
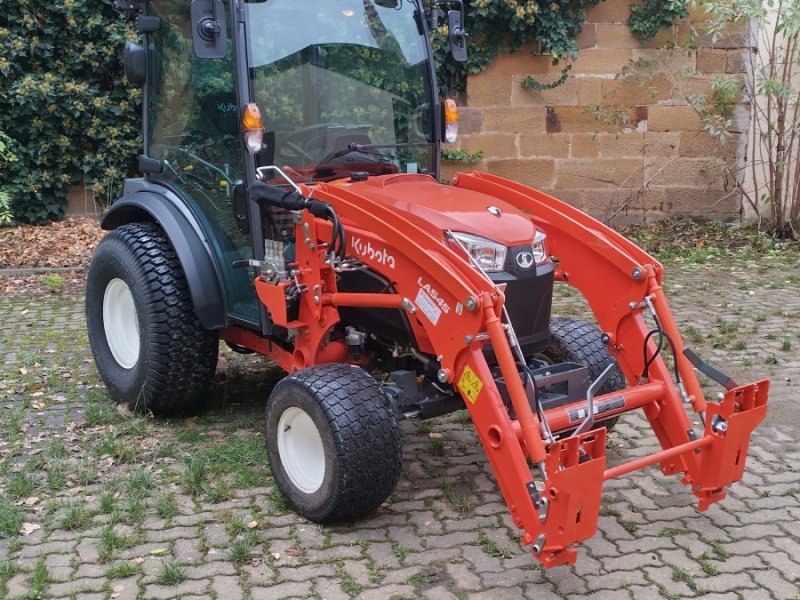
(552, 486)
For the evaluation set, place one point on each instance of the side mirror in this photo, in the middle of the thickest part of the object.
(457, 34)
(209, 34)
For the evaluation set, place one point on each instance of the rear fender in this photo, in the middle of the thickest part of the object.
(149, 202)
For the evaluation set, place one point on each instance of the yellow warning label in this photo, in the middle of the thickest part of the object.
(470, 385)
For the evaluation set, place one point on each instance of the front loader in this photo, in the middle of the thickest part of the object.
(290, 206)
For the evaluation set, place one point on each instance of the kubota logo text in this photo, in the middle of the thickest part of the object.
(381, 256)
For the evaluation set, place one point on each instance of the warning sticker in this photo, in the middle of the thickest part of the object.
(470, 385)
(428, 307)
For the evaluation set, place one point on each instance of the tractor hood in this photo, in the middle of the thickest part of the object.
(438, 207)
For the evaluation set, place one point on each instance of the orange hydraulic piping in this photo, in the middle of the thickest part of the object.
(364, 300)
(652, 459)
(529, 423)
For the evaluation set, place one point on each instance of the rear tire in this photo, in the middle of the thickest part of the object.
(333, 442)
(149, 347)
(576, 341)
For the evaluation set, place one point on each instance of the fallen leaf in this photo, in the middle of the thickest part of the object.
(29, 528)
(38, 405)
(31, 500)
(158, 551)
(252, 524)
(25, 312)
(294, 551)
(435, 435)
(23, 370)
(276, 555)
(138, 560)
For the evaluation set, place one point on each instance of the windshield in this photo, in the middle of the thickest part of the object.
(343, 86)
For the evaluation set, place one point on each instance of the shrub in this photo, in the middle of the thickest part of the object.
(64, 102)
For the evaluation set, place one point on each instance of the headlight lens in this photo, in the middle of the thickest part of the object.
(539, 249)
(489, 255)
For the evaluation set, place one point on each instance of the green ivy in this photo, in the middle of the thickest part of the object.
(6, 156)
(652, 16)
(70, 116)
(462, 156)
(497, 26)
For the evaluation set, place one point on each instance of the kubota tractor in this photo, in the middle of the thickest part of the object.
(289, 206)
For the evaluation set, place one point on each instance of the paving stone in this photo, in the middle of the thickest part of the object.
(129, 588)
(501, 593)
(330, 589)
(431, 556)
(389, 592)
(439, 593)
(281, 590)
(462, 576)
(452, 540)
(334, 553)
(210, 569)
(186, 551)
(227, 587)
(18, 585)
(85, 584)
(304, 573)
(382, 555)
(165, 535)
(406, 537)
(62, 547)
(89, 570)
(773, 581)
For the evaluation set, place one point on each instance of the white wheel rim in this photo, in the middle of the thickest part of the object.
(301, 451)
(121, 324)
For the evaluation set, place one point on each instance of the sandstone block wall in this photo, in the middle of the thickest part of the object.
(624, 149)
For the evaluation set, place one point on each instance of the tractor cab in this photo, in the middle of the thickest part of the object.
(322, 89)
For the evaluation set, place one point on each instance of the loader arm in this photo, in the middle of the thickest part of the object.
(456, 309)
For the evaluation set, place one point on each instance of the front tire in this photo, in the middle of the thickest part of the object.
(149, 347)
(576, 341)
(333, 442)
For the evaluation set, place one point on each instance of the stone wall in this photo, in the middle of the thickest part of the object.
(624, 149)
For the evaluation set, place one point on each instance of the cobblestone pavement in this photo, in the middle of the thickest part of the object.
(119, 506)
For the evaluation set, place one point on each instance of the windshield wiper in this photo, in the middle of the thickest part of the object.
(353, 147)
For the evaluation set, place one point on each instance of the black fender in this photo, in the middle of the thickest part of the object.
(144, 201)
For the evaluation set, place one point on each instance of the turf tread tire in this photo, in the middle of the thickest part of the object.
(574, 340)
(178, 357)
(360, 434)
(577, 341)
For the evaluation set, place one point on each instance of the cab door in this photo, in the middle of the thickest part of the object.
(192, 127)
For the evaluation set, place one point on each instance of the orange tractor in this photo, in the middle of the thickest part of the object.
(289, 206)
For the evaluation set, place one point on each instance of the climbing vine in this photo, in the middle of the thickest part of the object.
(497, 26)
(650, 17)
(65, 107)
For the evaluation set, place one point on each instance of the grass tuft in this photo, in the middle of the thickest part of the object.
(170, 573)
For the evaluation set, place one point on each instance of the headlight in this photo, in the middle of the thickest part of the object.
(538, 247)
(488, 255)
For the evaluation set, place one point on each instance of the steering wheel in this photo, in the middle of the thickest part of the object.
(309, 144)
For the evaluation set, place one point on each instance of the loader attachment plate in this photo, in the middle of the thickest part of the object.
(729, 424)
(570, 504)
